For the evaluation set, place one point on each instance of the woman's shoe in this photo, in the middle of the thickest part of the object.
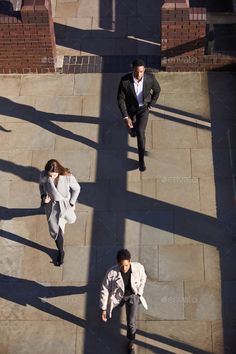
(131, 347)
(60, 258)
(142, 166)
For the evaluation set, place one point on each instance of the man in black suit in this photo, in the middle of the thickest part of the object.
(138, 92)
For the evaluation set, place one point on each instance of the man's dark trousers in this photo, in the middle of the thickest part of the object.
(131, 305)
(140, 123)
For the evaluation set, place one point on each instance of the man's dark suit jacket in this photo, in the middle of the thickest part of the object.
(126, 96)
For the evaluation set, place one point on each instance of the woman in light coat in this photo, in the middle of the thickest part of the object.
(59, 191)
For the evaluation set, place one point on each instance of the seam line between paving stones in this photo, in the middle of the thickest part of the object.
(204, 263)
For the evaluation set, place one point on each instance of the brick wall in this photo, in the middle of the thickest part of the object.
(27, 39)
(183, 40)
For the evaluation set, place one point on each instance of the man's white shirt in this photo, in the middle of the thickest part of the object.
(138, 88)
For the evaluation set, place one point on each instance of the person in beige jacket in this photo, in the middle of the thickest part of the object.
(124, 284)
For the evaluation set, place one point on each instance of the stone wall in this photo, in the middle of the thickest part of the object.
(27, 43)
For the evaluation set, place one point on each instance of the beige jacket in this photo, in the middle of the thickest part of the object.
(113, 288)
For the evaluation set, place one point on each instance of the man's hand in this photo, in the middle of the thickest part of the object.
(128, 122)
(104, 315)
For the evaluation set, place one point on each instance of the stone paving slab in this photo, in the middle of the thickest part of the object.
(203, 138)
(4, 193)
(79, 264)
(173, 260)
(181, 191)
(202, 162)
(162, 163)
(148, 187)
(153, 235)
(207, 196)
(167, 303)
(189, 83)
(26, 137)
(175, 336)
(16, 228)
(204, 300)
(81, 136)
(217, 338)
(212, 263)
(171, 134)
(10, 85)
(44, 85)
(183, 107)
(84, 23)
(62, 105)
(21, 339)
(91, 105)
(86, 8)
(17, 193)
(87, 84)
(11, 260)
(147, 253)
(66, 11)
(38, 266)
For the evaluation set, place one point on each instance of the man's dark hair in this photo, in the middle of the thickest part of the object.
(138, 62)
(122, 255)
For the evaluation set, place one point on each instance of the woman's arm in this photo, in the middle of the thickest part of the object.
(74, 189)
(42, 191)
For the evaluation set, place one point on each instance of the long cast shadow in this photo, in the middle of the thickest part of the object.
(27, 173)
(11, 213)
(46, 120)
(170, 114)
(26, 292)
(222, 90)
(52, 253)
(157, 348)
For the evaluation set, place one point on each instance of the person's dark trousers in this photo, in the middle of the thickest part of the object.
(131, 305)
(140, 123)
(60, 241)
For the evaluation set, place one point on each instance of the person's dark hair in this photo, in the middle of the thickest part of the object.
(138, 62)
(54, 166)
(123, 255)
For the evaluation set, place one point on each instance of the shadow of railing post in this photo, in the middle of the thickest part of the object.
(222, 90)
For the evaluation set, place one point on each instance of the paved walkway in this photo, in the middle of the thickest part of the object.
(177, 218)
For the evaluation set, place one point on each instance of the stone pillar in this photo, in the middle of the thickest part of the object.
(183, 35)
(184, 40)
(27, 42)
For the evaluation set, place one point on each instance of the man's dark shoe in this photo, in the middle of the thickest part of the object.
(142, 166)
(60, 258)
(132, 132)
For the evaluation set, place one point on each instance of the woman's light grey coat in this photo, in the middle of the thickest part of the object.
(113, 288)
(58, 210)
